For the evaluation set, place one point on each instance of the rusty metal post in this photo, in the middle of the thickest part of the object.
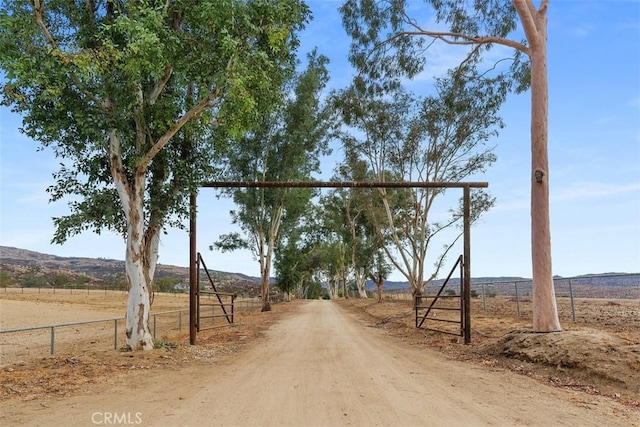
(192, 269)
(573, 307)
(467, 264)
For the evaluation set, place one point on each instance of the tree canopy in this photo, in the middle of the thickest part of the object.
(131, 97)
(390, 43)
(285, 146)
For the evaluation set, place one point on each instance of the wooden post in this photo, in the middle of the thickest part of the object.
(467, 265)
(192, 269)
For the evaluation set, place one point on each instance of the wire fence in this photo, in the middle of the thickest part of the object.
(20, 344)
(578, 298)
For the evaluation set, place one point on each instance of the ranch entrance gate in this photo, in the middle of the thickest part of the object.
(464, 260)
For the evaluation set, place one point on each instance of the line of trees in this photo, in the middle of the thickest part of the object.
(143, 101)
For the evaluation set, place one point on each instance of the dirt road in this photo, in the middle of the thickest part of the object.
(323, 367)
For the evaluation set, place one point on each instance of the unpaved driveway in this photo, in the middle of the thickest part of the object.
(323, 367)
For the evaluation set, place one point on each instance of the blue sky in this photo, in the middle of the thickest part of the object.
(594, 150)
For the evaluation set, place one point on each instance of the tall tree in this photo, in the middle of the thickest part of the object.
(389, 43)
(295, 258)
(129, 95)
(284, 147)
(345, 212)
(436, 139)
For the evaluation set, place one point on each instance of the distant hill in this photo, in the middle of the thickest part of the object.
(20, 264)
(453, 281)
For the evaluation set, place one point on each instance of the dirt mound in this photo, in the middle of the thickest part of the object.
(586, 353)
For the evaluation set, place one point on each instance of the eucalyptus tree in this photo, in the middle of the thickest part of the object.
(434, 139)
(129, 95)
(284, 146)
(388, 43)
(379, 271)
(298, 261)
(347, 212)
(293, 261)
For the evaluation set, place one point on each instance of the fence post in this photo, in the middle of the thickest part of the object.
(517, 299)
(53, 340)
(115, 334)
(573, 308)
(484, 301)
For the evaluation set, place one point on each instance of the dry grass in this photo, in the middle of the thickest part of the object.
(598, 355)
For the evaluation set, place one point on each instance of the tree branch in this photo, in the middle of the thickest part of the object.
(38, 8)
(117, 172)
(160, 85)
(450, 38)
(164, 140)
(526, 11)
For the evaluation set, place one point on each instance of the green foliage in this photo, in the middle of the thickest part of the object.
(391, 39)
(230, 242)
(314, 290)
(284, 146)
(401, 137)
(6, 279)
(35, 282)
(58, 280)
(166, 77)
(165, 284)
(116, 282)
(450, 292)
(474, 293)
(81, 280)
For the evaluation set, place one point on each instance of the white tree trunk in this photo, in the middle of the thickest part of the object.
(141, 258)
(267, 256)
(412, 264)
(361, 282)
(137, 333)
(545, 311)
(334, 286)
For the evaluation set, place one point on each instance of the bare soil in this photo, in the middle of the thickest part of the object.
(348, 362)
(600, 354)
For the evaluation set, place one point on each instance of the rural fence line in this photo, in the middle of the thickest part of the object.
(569, 292)
(25, 342)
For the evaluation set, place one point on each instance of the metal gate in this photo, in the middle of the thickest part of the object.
(446, 309)
(205, 299)
(466, 197)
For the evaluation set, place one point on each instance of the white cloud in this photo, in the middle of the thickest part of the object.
(594, 190)
(581, 31)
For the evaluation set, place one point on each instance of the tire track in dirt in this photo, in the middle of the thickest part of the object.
(323, 367)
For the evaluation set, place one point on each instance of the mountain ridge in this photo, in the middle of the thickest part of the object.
(104, 268)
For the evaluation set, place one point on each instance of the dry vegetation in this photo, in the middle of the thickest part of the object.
(598, 355)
